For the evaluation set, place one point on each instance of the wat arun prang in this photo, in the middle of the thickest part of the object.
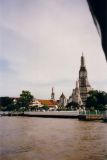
(80, 93)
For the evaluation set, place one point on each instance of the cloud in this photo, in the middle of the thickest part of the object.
(41, 44)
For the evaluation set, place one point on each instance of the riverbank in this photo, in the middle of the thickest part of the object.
(58, 114)
(90, 117)
(50, 114)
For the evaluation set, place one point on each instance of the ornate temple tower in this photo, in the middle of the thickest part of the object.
(52, 95)
(62, 101)
(84, 85)
(76, 94)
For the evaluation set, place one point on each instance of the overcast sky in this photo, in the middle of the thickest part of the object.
(41, 42)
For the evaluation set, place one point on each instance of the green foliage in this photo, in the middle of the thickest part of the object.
(72, 106)
(45, 107)
(25, 99)
(6, 103)
(97, 100)
(34, 108)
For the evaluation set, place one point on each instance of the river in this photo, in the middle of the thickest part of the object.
(26, 138)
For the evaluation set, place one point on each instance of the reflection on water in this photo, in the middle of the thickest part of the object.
(23, 138)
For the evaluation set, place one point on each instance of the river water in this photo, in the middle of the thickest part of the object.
(26, 138)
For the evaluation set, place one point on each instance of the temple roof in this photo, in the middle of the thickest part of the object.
(62, 95)
(47, 102)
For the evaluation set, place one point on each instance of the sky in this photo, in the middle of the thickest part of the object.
(41, 42)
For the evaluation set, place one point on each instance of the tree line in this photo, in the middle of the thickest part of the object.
(96, 100)
(16, 104)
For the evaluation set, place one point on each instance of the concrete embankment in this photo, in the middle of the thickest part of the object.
(53, 114)
(50, 114)
(58, 114)
(90, 117)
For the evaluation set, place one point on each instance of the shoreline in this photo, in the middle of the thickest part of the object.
(52, 114)
(57, 114)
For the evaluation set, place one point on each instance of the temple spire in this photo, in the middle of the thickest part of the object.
(52, 94)
(82, 60)
(77, 84)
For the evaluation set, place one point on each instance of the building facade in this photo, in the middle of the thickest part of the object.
(51, 104)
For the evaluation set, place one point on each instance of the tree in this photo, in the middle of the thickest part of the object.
(25, 99)
(46, 108)
(34, 108)
(6, 103)
(72, 106)
(97, 100)
(91, 102)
